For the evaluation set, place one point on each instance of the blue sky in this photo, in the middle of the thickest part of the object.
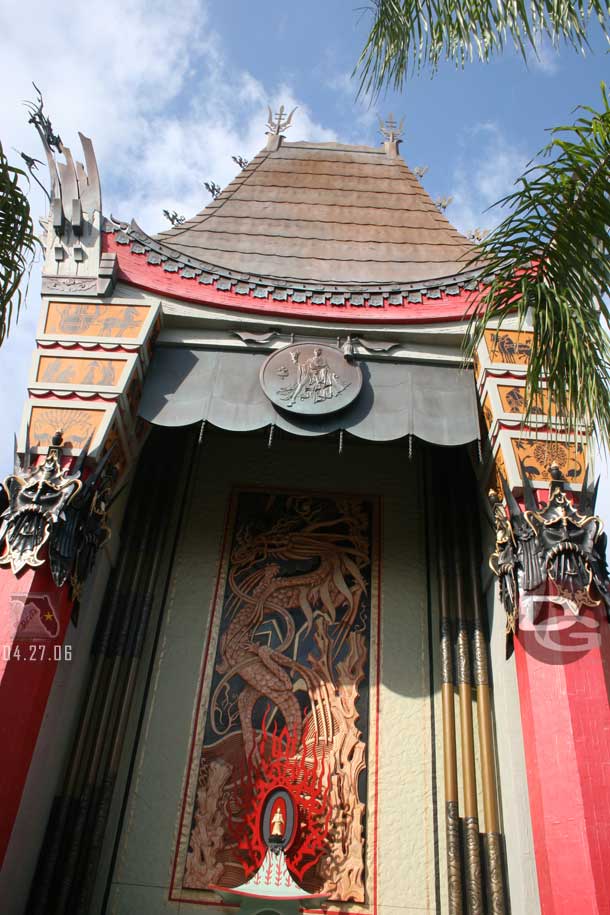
(169, 92)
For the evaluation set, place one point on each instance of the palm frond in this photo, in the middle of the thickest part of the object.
(409, 34)
(549, 263)
(17, 242)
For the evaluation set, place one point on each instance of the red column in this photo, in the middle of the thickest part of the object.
(34, 616)
(563, 676)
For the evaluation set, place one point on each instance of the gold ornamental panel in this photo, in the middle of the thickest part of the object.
(537, 455)
(67, 370)
(77, 426)
(78, 319)
(509, 346)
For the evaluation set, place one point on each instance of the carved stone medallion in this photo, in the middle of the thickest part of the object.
(310, 379)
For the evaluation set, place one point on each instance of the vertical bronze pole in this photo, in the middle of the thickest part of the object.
(474, 884)
(452, 817)
(77, 844)
(52, 859)
(492, 839)
(158, 576)
(70, 854)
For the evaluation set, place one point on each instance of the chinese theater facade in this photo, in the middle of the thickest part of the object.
(268, 642)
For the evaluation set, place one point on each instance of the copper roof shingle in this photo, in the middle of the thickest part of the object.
(325, 213)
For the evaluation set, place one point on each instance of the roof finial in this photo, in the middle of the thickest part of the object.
(42, 122)
(281, 121)
(390, 130)
(276, 126)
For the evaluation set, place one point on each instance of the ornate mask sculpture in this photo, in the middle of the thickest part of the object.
(557, 542)
(36, 500)
(46, 504)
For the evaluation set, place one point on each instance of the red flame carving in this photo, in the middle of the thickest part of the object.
(279, 762)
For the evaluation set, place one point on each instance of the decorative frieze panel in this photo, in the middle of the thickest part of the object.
(550, 548)
(116, 321)
(501, 367)
(78, 371)
(506, 347)
(84, 401)
(77, 423)
(87, 376)
(86, 381)
(539, 454)
(512, 400)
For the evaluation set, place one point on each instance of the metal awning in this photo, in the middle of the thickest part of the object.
(435, 403)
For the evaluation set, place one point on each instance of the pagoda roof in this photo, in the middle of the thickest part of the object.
(314, 230)
(321, 215)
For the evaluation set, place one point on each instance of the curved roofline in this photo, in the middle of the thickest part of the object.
(145, 262)
(161, 253)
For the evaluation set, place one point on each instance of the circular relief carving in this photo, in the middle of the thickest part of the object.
(310, 379)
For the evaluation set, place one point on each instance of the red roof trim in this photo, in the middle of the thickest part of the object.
(135, 270)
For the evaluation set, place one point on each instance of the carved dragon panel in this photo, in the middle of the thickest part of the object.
(286, 704)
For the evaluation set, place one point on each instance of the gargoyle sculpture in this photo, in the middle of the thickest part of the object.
(37, 497)
(49, 505)
(556, 541)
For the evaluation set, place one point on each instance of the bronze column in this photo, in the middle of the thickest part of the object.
(474, 883)
(452, 818)
(492, 838)
(70, 856)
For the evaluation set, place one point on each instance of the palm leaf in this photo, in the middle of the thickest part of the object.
(409, 34)
(549, 263)
(17, 242)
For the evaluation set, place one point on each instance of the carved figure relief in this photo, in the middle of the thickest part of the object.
(113, 442)
(497, 472)
(63, 370)
(512, 398)
(488, 413)
(509, 346)
(287, 708)
(74, 318)
(68, 284)
(134, 393)
(310, 379)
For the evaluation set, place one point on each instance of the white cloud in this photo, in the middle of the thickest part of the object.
(342, 81)
(488, 166)
(546, 57)
(364, 112)
(149, 83)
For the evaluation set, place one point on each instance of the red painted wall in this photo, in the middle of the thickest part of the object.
(28, 662)
(566, 729)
